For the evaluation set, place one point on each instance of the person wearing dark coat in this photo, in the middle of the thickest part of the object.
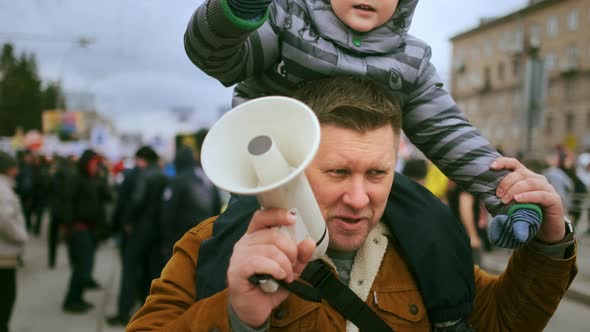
(141, 227)
(59, 190)
(84, 215)
(124, 194)
(188, 198)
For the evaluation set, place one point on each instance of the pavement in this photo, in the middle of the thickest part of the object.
(41, 290)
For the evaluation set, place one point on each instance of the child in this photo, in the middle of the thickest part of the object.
(273, 47)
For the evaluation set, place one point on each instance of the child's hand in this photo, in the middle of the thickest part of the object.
(528, 190)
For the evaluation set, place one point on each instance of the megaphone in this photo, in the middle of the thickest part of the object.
(262, 148)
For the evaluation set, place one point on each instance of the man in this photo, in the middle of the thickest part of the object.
(189, 198)
(141, 238)
(84, 214)
(351, 177)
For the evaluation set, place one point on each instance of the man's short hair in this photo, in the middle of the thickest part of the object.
(415, 169)
(351, 102)
(147, 153)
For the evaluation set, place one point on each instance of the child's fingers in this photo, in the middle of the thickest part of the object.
(518, 174)
(523, 185)
(505, 163)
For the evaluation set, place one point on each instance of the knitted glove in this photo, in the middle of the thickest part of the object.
(248, 9)
(517, 228)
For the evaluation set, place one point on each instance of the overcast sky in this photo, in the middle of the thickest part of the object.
(137, 67)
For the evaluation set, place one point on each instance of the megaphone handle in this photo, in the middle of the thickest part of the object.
(266, 283)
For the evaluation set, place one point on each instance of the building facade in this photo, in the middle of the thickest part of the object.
(492, 76)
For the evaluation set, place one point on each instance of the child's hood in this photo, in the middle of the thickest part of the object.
(383, 39)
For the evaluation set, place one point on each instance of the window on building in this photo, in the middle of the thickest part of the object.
(572, 20)
(552, 26)
(550, 60)
(516, 66)
(501, 71)
(487, 73)
(570, 119)
(549, 125)
(535, 35)
(535, 31)
(572, 54)
(588, 120)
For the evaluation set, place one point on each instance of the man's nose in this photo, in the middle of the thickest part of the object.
(356, 194)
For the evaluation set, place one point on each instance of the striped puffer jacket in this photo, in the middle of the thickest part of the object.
(301, 40)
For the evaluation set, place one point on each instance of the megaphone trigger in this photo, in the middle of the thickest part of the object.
(266, 283)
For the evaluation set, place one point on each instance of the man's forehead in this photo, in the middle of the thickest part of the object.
(339, 144)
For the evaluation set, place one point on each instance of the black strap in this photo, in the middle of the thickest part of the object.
(338, 295)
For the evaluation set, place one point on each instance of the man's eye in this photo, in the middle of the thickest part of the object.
(376, 173)
(338, 172)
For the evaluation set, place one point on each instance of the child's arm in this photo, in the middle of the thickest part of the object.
(230, 48)
(434, 123)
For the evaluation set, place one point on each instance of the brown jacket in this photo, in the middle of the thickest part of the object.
(523, 298)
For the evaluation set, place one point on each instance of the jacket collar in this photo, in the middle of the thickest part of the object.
(383, 39)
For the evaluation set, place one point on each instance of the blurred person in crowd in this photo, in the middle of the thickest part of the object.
(60, 190)
(583, 168)
(583, 173)
(140, 222)
(189, 198)
(568, 165)
(416, 170)
(467, 208)
(13, 234)
(25, 183)
(85, 215)
(560, 180)
(41, 189)
(124, 191)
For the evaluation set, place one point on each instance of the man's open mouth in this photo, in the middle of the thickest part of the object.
(364, 7)
(350, 220)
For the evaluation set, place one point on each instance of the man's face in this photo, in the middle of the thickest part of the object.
(351, 177)
(364, 15)
(141, 163)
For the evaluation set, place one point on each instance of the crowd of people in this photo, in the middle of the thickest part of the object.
(85, 200)
(566, 170)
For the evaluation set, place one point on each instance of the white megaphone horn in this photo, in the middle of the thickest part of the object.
(262, 148)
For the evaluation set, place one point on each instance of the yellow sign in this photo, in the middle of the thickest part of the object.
(571, 142)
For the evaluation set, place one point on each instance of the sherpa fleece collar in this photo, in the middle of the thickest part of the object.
(366, 265)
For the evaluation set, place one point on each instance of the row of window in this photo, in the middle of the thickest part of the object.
(570, 122)
(514, 67)
(514, 40)
(499, 132)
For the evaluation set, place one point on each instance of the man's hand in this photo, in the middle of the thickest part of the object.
(264, 249)
(525, 186)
